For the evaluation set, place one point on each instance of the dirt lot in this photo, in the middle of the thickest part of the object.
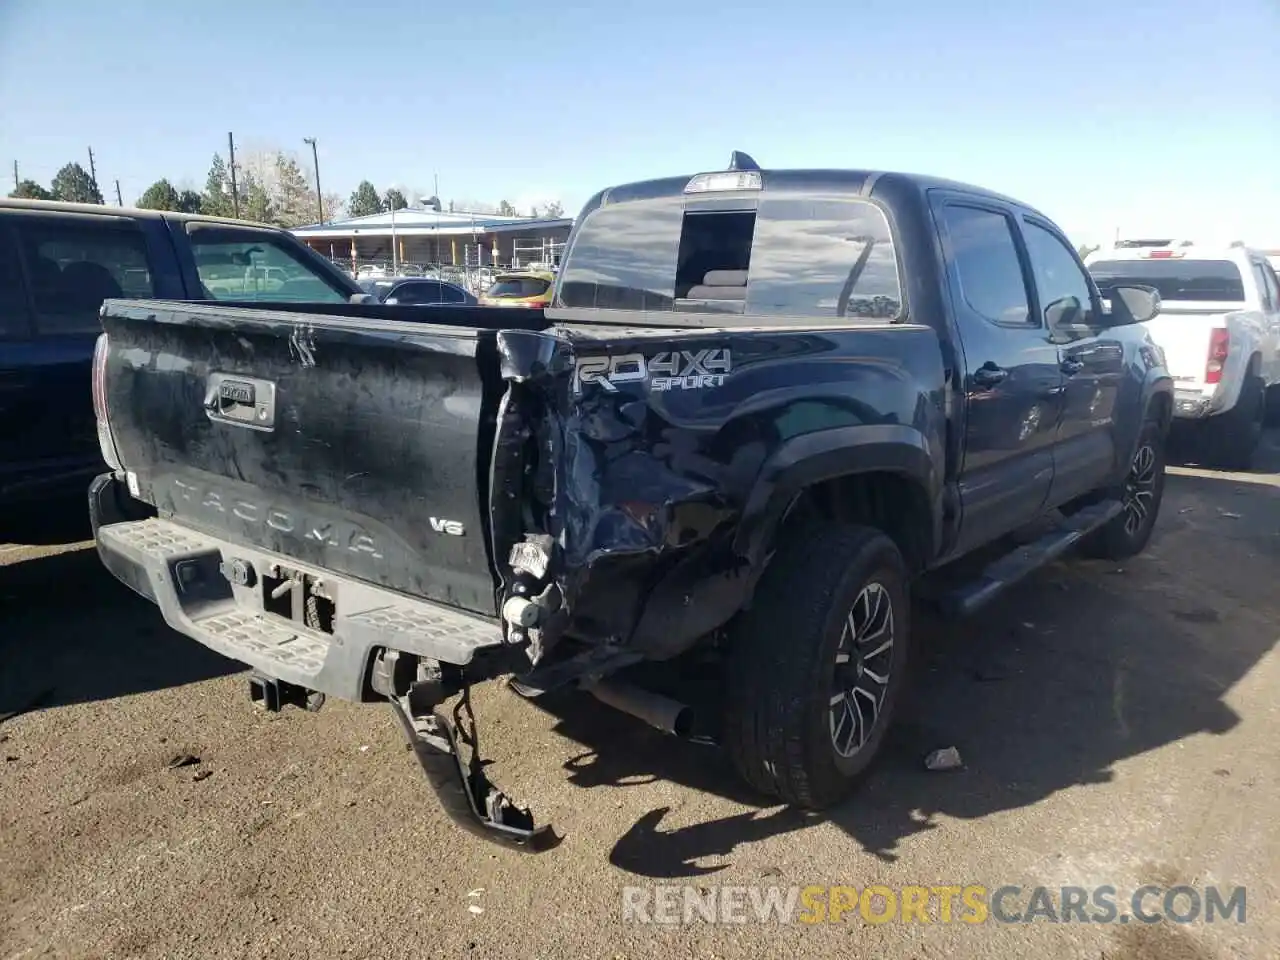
(1119, 725)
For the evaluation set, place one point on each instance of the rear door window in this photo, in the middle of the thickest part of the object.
(1217, 281)
(984, 258)
(73, 266)
(423, 291)
(258, 268)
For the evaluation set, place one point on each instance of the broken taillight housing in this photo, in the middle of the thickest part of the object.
(106, 441)
(1219, 343)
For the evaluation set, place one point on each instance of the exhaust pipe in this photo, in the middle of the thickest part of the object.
(669, 716)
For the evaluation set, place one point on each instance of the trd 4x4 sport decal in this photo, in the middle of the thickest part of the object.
(667, 370)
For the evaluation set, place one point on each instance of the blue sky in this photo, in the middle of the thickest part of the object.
(1147, 115)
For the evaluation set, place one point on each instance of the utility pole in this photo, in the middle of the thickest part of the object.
(93, 172)
(235, 191)
(315, 160)
(16, 181)
(119, 201)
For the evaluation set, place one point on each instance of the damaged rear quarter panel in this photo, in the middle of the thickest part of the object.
(668, 448)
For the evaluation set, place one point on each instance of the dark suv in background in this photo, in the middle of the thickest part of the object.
(58, 262)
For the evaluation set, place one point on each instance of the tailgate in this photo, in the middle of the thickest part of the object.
(1183, 333)
(353, 445)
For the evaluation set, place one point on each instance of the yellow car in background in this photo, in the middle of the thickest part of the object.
(530, 288)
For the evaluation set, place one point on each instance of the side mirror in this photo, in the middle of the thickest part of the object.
(1133, 304)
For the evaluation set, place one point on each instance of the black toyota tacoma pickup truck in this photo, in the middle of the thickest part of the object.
(764, 407)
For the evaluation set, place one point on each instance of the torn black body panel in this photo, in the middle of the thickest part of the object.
(675, 453)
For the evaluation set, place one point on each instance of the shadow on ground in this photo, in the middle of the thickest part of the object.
(1084, 666)
(107, 643)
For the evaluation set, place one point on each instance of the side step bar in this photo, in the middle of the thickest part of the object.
(1013, 566)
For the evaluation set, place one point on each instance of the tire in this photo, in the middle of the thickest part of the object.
(782, 672)
(1233, 436)
(1142, 492)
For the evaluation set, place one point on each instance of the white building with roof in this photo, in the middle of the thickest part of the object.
(413, 235)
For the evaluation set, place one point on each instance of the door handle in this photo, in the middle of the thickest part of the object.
(989, 375)
(1072, 366)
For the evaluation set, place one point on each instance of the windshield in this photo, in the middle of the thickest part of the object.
(512, 287)
(1175, 279)
(810, 256)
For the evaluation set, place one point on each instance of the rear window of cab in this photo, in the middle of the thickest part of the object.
(830, 257)
(518, 287)
(1176, 279)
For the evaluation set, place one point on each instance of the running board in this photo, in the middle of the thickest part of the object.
(1013, 566)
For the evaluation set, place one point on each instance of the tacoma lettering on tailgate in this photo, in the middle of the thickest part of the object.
(212, 503)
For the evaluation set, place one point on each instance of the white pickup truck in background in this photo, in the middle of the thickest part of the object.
(1219, 327)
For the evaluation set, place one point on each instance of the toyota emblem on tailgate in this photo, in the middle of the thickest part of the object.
(241, 401)
(236, 390)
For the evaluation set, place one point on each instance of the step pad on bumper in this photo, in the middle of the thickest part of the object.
(261, 637)
(181, 570)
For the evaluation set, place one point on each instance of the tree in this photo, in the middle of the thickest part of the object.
(393, 199)
(553, 210)
(188, 202)
(334, 207)
(216, 200)
(161, 195)
(30, 190)
(73, 184)
(434, 204)
(505, 209)
(364, 201)
(256, 204)
(1085, 249)
(293, 199)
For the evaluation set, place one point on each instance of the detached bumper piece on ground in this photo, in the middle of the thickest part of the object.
(464, 792)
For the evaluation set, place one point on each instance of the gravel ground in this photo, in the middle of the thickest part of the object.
(1118, 726)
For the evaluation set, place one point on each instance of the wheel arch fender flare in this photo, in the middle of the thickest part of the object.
(804, 461)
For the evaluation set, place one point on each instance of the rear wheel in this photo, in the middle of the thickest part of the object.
(1233, 436)
(1141, 494)
(816, 666)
